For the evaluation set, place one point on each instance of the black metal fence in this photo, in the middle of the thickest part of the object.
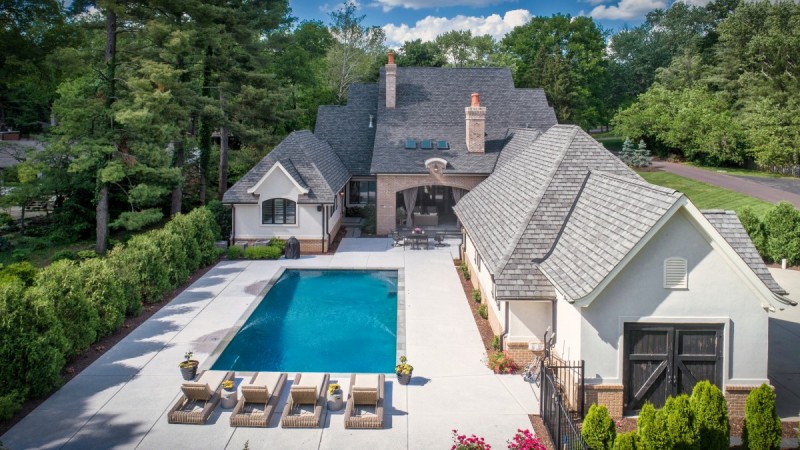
(554, 404)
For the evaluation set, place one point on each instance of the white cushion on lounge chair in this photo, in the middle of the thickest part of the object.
(210, 379)
(314, 380)
(364, 381)
(268, 379)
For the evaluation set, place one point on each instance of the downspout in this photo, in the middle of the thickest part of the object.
(322, 238)
(328, 228)
(232, 237)
(505, 327)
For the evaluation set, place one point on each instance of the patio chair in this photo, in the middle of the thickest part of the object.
(397, 239)
(307, 390)
(199, 398)
(439, 239)
(260, 397)
(365, 391)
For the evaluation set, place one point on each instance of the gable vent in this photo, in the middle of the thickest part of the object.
(675, 275)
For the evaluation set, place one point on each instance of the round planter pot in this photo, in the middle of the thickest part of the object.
(190, 372)
(404, 379)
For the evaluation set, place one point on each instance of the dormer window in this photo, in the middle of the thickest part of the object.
(675, 273)
(278, 211)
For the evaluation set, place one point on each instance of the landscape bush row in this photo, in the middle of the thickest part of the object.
(777, 234)
(274, 250)
(699, 421)
(49, 316)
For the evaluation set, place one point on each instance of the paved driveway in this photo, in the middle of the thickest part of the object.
(784, 342)
(120, 401)
(744, 185)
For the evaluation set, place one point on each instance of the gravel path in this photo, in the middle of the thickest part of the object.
(744, 185)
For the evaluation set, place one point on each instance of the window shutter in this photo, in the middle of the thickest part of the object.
(675, 274)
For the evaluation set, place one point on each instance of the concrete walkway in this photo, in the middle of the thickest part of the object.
(121, 400)
(738, 184)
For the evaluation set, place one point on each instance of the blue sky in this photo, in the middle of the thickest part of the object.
(411, 19)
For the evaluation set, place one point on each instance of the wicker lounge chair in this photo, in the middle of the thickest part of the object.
(307, 390)
(199, 398)
(365, 390)
(260, 397)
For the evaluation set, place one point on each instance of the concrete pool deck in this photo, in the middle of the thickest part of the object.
(121, 400)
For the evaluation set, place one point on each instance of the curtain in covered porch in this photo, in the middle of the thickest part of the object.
(458, 193)
(410, 199)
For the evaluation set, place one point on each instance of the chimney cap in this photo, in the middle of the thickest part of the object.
(391, 57)
(476, 100)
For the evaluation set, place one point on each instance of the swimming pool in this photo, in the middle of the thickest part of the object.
(341, 321)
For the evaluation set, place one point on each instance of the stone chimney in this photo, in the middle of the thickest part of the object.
(391, 82)
(476, 125)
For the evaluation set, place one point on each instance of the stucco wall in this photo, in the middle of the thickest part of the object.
(568, 331)
(483, 280)
(247, 222)
(389, 185)
(528, 320)
(716, 294)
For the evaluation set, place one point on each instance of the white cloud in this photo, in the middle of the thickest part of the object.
(326, 7)
(626, 9)
(387, 5)
(696, 2)
(428, 28)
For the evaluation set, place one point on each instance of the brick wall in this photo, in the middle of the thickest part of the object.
(610, 395)
(518, 351)
(389, 185)
(736, 396)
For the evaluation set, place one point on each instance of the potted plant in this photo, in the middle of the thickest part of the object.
(188, 366)
(403, 371)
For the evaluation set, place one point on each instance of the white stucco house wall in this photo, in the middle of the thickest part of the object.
(651, 293)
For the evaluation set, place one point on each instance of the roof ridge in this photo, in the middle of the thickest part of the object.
(526, 221)
(637, 181)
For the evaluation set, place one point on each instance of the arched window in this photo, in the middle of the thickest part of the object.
(278, 211)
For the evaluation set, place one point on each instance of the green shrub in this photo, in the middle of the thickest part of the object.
(10, 403)
(464, 271)
(20, 254)
(500, 362)
(280, 243)
(626, 441)
(61, 285)
(762, 427)
(142, 257)
(482, 311)
(370, 219)
(711, 416)
(173, 255)
(476, 295)
(32, 343)
(86, 254)
(5, 245)
(222, 216)
(205, 233)
(105, 291)
(652, 428)
(598, 429)
(235, 252)
(23, 270)
(128, 279)
(755, 228)
(782, 227)
(64, 254)
(680, 426)
(183, 227)
(262, 252)
(496, 343)
(7, 223)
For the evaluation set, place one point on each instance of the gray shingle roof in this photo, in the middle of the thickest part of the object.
(728, 225)
(430, 105)
(516, 214)
(310, 161)
(346, 128)
(611, 215)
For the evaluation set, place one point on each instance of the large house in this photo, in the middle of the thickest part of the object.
(650, 292)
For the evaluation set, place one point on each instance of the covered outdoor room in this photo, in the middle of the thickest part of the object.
(429, 207)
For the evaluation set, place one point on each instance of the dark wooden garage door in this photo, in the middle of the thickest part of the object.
(669, 359)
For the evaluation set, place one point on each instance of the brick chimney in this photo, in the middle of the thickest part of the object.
(476, 125)
(391, 82)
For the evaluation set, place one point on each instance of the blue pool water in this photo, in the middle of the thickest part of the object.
(341, 321)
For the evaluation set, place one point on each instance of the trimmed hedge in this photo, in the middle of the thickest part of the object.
(599, 431)
(49, 316)
(262, 252)
(711, 416)
(626, 441)
(782, 227)
(762, 427)
(235, 252)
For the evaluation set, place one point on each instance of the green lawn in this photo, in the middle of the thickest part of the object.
(706, 196)
(609, 141)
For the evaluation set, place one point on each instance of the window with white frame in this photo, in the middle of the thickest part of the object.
(278, 211)
(676, 275)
